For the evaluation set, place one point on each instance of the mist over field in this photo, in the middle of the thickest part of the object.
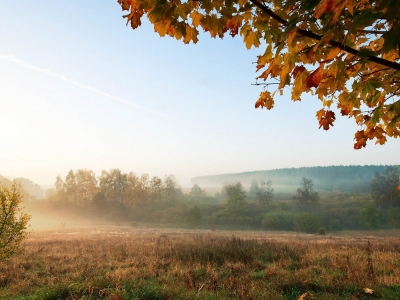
(199, 150)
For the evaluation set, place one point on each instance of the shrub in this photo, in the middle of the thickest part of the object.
(369, 216)
(278, 221)
(13, 221)
(321, 231)
(307, 222)
(193, 216)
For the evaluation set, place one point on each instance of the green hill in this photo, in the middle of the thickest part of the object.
(342, 178)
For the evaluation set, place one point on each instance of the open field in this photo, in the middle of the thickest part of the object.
(122, 262)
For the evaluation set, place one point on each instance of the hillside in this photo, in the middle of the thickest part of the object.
(342, 178)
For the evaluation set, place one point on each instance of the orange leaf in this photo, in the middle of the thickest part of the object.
(298, 70)
(344, 111)
(314, 79)
(361, 139)
(333, 54)
(320, 114)
(323, 7)
(302, 296)
(327, 120)
(265, 100)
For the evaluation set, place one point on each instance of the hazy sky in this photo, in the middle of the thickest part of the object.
(79, 89)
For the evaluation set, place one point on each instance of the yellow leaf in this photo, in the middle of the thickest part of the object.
(327, 103)
(320, 114)
(332, 54)
(368, 291)
(292, 34)
(196, 17)
(350, 4)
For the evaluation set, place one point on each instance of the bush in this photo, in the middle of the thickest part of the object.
(321, 231)
(193, 216)
(278, 221)
(13, 222)
(369, 216)
(307, 222)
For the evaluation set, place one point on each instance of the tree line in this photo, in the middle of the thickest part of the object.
(118, 196)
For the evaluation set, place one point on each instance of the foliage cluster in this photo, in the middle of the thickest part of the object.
(345, 52)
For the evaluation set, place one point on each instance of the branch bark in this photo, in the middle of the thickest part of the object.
(317, 37)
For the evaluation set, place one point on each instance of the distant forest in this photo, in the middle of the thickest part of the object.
(332, 178)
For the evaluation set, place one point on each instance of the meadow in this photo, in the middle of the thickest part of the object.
(118, 261)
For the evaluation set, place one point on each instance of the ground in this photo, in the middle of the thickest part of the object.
(119, 261)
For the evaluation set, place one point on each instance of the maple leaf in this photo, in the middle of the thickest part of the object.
(361, 139)
(323, 7)
(297, 70)
(265, 100)
(332, 54)
(326, 120)
(233, 26)
(345, 111)
(314, 79)
(358, 41)
(320, 114)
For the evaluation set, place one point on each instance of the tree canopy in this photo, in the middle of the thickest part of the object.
(344, 51)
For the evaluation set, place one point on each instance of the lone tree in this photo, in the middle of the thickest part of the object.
(13, 221)
(235, 193)
(265, 193)
(306, 198)
(347, 52)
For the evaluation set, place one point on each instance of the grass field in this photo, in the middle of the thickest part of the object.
(122, 262)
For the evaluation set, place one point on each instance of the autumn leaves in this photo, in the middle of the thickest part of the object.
(344, 51)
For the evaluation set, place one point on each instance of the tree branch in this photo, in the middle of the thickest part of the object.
(335, 44)
(372, 31)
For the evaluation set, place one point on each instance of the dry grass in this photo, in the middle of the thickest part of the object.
(119, 262)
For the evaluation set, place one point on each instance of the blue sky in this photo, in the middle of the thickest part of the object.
(79, 89)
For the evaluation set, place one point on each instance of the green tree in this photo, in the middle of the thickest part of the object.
(307, 222)
(196, 192)
(172, 190)
(86, 187)
(369, 216)
(70, 186)
(156, 189)
(393, 217)
(139, 190)
(193, 216)
(235, 193)
(13, 221)
(254, 187)
(265, 193)
(384, 187)
(113, 184)
(306, 198)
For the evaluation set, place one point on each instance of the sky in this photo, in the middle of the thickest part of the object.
(80, 90)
